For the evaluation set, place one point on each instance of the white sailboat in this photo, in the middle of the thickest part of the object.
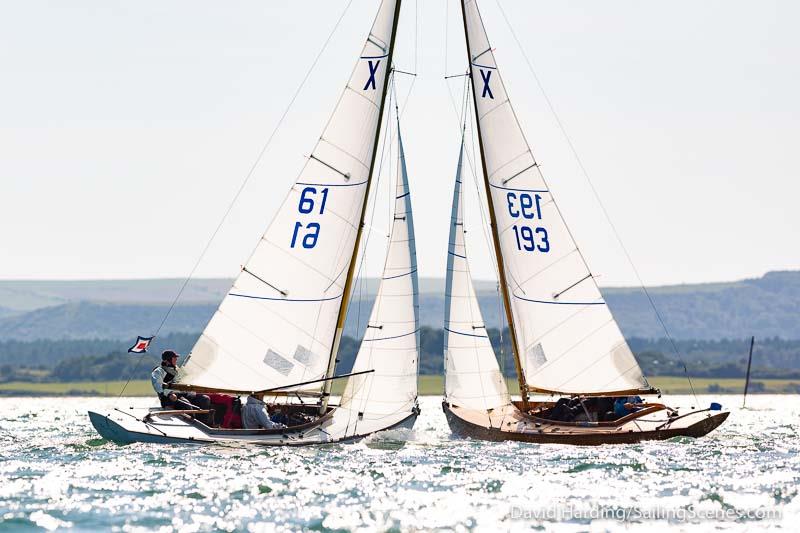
(565, 340)
(279, 328)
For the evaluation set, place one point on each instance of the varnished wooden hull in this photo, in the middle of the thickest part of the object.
(526, 429)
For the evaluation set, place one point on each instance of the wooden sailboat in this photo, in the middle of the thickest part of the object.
(279, 327)
(565, 341)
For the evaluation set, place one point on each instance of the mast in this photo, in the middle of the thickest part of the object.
(326, 391)
(523, 385)
(747, 378)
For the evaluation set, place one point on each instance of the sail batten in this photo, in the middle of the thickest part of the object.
(564, 336)
(278, 324)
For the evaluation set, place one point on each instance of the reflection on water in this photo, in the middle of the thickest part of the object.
(55, 472)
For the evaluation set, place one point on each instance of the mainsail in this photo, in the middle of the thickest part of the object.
(472, 375)
(566, 339)
(390, 345)
(278, 324)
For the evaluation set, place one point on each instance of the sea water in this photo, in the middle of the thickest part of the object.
(57, 473)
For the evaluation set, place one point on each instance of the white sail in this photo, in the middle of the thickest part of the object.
(568, 340)
(390, 345)
(472, 376)
(277, 325)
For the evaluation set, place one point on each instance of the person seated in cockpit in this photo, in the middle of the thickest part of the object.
(162, 378)
(625, 405)
(255, 414)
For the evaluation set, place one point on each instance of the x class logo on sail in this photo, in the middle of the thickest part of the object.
(373, 63)
(486, 79)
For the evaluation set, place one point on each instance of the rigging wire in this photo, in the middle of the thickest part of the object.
(469, 112)
(446, 26)
(407, 97)
(486, 224)
(463, 118)
(386, 155)
(243, 184)
(392, 98)
(465, 115)
(596, 194)
(384, 147)
(472, 166)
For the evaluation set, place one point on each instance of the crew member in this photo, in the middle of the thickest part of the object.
(255, 414)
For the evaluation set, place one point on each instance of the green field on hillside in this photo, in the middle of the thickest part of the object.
(77, 388)
(428, 386)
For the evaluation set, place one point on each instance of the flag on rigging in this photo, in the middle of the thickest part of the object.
(141, 345)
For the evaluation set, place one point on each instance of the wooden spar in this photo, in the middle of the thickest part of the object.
(276, 391)
(747, 377)
(348, 285)
(628, 392)
(501, 271)
(213, 390)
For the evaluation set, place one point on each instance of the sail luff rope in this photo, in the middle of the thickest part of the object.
(487, 239)
(472, 167)
(361, 265)
(392, 98)
(464, 116)
(242, 186)
(607, 216)
(393, 201)
(463, 120)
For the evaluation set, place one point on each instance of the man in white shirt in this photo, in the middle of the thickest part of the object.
(255, 414)
(161, 379)
(164, 374)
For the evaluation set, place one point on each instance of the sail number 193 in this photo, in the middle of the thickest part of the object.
(310, 198)
(528, 207)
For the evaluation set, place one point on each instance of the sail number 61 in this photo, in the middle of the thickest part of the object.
(308, 201)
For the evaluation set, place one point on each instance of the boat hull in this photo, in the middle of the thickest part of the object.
(134, 425)
(508, 423)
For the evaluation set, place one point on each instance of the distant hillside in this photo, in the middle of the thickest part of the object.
(28, 295)
(87, 320)
(99, 359)
(766, 307)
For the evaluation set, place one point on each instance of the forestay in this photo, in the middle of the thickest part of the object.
(390, 345)
(567, 339)
(472, 375)
(277, 324)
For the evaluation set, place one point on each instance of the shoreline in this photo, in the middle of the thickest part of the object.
(428, 386)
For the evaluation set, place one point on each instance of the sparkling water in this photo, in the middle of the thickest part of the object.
(57, 473)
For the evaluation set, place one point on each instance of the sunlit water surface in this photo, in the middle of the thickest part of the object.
(56, 472)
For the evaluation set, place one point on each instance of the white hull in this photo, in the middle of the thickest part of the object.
(145, 425)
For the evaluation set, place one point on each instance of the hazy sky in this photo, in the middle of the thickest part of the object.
(126, 128)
